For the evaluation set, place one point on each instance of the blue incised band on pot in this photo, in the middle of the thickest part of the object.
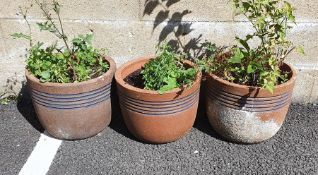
(153, 108)
(72, 101)
(251, 104)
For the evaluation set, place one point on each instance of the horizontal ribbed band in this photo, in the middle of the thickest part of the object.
(153, 108)
(72, 101)
(251, 104)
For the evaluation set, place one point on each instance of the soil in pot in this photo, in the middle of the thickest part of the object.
(135, 79)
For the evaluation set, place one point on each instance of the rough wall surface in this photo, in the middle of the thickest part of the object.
(125, 27)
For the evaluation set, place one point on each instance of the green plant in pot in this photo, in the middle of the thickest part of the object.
(159, 96)
(249, 86)
(69, 83)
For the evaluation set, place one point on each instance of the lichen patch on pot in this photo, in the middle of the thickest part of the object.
(63, 134)
(240, 125)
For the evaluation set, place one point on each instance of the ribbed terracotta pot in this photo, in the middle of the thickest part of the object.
(247, 114)
(152, 117)
(73, 110)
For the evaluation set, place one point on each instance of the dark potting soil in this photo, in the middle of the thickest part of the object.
(135, 79)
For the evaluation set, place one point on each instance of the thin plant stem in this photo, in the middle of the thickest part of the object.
(48, 17)
(24, 14)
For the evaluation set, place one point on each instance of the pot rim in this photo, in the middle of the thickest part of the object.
(111, 70)
(235, 85)
(120, 79)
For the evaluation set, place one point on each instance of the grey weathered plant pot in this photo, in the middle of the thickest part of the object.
(247, 114)
(73, 111)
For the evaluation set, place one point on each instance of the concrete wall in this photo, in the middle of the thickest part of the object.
(125, 27)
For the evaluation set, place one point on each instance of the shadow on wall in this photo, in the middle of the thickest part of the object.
(193, 48)
(117, 122)
(175, 25)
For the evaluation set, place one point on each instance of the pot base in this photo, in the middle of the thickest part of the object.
(241, 126)
(160, 129)
(75, 125)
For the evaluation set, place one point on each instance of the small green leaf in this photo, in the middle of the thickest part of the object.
(56, 7)
(45, 75)
(250, 69)
(246, 6)
(237, 57)
(21, 35)
(270, 88)
(243, 43)
(46, 26)
(300, 50)
(171, 84)
(261, 22)
(289, 11)
(4, 101)
(89, 38)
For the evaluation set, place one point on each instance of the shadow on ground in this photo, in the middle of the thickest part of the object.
(25, 107)
(202, 121)
(117, 123)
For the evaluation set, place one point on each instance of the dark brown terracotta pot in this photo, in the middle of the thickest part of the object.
(73, 110)
(247, 114)
(153, 117)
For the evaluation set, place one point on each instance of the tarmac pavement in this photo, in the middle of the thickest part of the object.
(294, 150)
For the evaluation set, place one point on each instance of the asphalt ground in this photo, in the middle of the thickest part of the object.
(19, 132)
(294, 150)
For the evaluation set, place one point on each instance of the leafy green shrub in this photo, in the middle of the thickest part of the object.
(258, 66)
(75, 63)
(166, 71)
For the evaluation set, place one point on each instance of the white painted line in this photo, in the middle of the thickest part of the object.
(42, 156)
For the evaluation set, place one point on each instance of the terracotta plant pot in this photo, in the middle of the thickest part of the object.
(153, 117)
(73, 110)
(247, 114)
